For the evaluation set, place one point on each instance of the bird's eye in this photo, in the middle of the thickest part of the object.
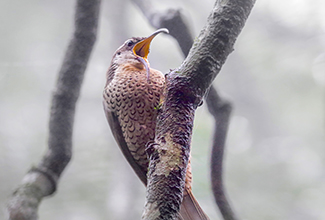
(129, 43)
(118, 53)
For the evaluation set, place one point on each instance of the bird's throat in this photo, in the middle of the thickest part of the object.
(146, 65)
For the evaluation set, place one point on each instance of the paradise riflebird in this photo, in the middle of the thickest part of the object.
(132, 97)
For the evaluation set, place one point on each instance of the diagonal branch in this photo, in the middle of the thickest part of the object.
(185, 88)
(218, 108)
(42, 180)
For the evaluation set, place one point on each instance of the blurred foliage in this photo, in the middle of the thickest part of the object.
(275, 78)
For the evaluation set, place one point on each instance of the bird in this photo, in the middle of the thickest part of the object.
(131, 98)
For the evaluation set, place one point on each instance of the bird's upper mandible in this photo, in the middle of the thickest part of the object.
(136, 50)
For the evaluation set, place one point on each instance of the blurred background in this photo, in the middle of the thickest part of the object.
(275, 79)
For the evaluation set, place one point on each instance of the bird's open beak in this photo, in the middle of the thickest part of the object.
(142, 48)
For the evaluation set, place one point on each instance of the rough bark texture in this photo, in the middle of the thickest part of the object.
(42, 180)
(184, 91)
(218, 107)
(169, 156)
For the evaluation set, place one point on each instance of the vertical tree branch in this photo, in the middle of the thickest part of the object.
(42, 180)
(185, 88)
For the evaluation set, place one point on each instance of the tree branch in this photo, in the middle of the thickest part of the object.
(42, 180)
(185, 88)
(221, 111)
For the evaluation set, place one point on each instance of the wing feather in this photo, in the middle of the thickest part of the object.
(118, 135)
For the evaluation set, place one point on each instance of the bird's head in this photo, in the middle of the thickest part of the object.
(136, 50)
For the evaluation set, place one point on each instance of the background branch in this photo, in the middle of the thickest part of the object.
(185, 89)
(42, 180)
(220, 110)
(172, 19)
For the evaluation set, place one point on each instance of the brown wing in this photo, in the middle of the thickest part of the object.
(118, 135)
(190, 209)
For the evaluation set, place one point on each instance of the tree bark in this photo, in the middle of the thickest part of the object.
(185, 88)
(220, 109)
(42, 180)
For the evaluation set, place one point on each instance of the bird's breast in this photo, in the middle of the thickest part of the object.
(130, 85)
(134, 100)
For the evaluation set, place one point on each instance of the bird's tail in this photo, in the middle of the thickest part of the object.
(190, 208)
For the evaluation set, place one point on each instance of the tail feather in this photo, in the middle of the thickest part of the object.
(190, 208)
